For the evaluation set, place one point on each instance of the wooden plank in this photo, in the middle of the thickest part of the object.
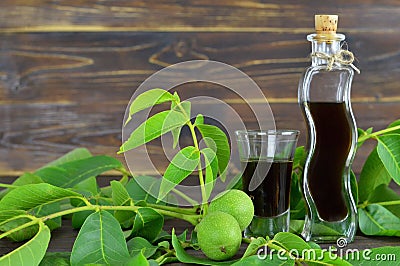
(233, 16)
(64, 90)
(55, 67)
(34, 134)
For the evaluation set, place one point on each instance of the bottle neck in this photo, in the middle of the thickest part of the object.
(328, 45)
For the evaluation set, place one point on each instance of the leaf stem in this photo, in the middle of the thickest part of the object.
(204, 205)
(33, 221)
(69, 211)
(363, 205)
(124, 180)
(157, 207)
(383, 203)
(161, 260)
(97, 198)
(8, 185)
(174, 209)
(185, 197)
(87, 203)
(124, 172)
(377, 133)
(191, 218)
(17, 217)
(388, 203)
(246, 240)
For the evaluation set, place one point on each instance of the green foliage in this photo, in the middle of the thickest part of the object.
(377, 220)
(100, 240)
(211, 165)
(385, 195)
(48, 209)
(148, 223)
(142, 188)
(137, 260)
(214, 137)
(367, 257)
(79, 218)
(289, 241)
(74, 155)
(181, 166)
(296, 248)
(69, 174)
(120, 197)
(148, 99)
(35, 195)
(297, 202)
(154, 127)
(140, 244)
(354, 186)
(372, 175)
(254, 246)
(186, 258)
(188, 159)
(396, 125)
(88, 186)
(30, 253)
(379, 205)
(56, 258)
(363, 135)
(25, 179)
(185, 110)
(67, 188)
(389, 152)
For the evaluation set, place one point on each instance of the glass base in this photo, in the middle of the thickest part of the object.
(268, 226)
(321, 231)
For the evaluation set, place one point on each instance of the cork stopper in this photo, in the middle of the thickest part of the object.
(326, 24)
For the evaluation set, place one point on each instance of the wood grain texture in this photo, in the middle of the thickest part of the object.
(69, 68)
(207, 15)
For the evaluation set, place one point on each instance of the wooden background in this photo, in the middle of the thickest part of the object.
(69, 67)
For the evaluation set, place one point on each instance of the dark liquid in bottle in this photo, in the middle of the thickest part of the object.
(333, 142)
(271, 197)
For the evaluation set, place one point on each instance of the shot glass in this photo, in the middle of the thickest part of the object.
(267, 159)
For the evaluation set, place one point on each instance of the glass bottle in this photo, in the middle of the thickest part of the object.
(324, 97)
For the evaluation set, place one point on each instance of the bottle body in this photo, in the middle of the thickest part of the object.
(324, 97)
